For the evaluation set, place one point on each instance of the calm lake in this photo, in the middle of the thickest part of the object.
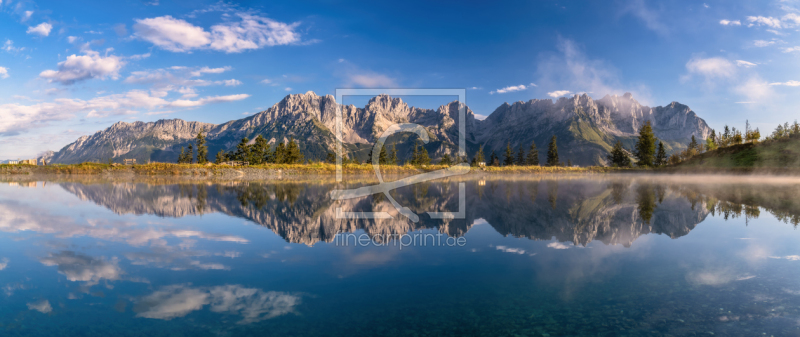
(599, 255)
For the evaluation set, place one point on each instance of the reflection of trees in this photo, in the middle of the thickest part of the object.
(610, 210)
(736, 200)
(552, 192)
(646, 200)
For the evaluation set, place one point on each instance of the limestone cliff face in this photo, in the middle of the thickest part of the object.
(586, 129)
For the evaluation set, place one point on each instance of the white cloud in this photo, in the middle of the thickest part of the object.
(791, 49)
(171, 34)
(3, 73)
(558, 93)
(265, 81)
(254, 305)
(651, 19)
(253, 32)
(754, 89)
(710, 68)
(509, 89)
(83, 268)
(16, 118)
(42, 306)
(765, 21)
(730, 23)
(43, 29)
(181, 103)
(706, 5)
(745, 64)
(207, 70)
(763, 43)
(557, 245)
(511, 250)
(26, 15)
(250, 32)
(287, 89)
(177, 77)
(3, 263)
(792, 17)
(9, 47)
(788, 83)
(78, 68)
(571, 68)
(372, 80)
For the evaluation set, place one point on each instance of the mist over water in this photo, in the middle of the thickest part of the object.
(629, 255)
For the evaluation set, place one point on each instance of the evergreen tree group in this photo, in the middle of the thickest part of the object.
(260, 152)
(420, 155)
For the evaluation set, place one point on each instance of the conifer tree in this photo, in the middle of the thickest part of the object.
(552, 153)
(280, 154)
(446, 160)
(415, 154)
(202, 149)
(393, 156)
(646, 146)
(293, 154)
(222, 157)
(259, 152)
(331, 159)
(383, 157)
(423, 156)
(533, 155)
(509, 160)
(243, 150)
(190, 154)
(521, 156)
(618, 157)
(493, 160)
(661, 155)
(182, 156)
(479, 157)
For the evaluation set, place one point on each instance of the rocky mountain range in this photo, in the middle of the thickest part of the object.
(586, 129)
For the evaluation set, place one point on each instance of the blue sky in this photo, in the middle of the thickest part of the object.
(72, 68)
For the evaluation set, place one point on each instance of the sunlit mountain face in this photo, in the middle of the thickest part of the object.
(560, 255)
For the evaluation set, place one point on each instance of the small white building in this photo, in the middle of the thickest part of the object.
(13, 162)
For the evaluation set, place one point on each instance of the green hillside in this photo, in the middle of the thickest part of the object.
(781, 153)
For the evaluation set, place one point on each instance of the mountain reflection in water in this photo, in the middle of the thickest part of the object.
(545, 255)
(615, 210)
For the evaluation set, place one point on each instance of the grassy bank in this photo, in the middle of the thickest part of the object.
(780, 156)
(164, 169)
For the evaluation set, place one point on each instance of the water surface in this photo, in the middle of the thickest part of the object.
(546, 256)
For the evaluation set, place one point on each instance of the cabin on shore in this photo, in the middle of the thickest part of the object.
(129, 161)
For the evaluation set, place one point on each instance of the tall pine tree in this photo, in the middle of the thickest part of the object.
(552, 153)
(189, 155)
(509, 160)
(260, 151)
(661, 155)
(533, 155)
(243, 150)
(293, 154)
(521, 156)
(280, 154)
(202, 149)
(393, 156)
(646, 146)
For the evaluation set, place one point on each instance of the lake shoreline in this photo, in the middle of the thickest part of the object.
(326, 171)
